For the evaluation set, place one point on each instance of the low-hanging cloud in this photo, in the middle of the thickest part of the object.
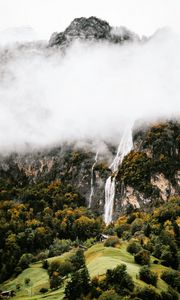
(92, 91)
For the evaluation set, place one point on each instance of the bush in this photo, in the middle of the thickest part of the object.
(45, 264)
(172, 278)
(148, 276)
(148, 293)
(65, 268)
(170, 294)
(55, 281)
(42, 255)
(43, 290)
(25, 260)
(27, 281)
(120, 280)
(112, 241)
(142, 257)
(78, 260)
(155, 262)
(121, 229)
(59, 247)
(134, 247)
(62, 267)
(136, 225)
(89, 242)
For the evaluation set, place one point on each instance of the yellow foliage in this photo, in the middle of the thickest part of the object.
(178, 221)
(122, 220)
(41, 230)
(54, 185)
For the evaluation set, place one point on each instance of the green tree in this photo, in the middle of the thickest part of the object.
(148, 276)
(55, 280)
(78, 260)
(119, 279)
(25, 260)
(79, 285)
(134, 247)
(142, 257)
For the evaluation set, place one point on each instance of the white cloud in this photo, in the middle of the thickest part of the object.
(91, 92)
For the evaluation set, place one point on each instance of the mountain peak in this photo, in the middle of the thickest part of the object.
(91, 28)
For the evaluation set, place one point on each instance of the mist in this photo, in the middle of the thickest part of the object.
(93, 91)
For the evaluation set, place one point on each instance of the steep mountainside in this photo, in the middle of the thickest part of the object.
(148, 175)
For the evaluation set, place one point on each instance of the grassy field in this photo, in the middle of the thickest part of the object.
(38, 279)
(98, 259)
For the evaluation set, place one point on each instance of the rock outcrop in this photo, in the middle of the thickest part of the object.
(92, 29)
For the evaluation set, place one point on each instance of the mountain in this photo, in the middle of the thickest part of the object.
(79, 189)
(147, 175)
(91, 29)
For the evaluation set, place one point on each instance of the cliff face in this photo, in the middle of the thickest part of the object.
(148, 175)
(66, 163)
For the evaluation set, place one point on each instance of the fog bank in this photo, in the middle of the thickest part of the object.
(93, 91)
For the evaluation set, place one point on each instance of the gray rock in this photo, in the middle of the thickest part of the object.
(91, 29)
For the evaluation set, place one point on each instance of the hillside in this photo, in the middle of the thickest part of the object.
(137, 240)
(98, 260)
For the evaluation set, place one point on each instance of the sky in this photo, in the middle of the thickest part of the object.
(46, 16)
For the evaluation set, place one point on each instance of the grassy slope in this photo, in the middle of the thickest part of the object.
(98, 258)
(39, 278)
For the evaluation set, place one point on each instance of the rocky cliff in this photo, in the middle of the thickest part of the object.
(148, 175)
(91, 29)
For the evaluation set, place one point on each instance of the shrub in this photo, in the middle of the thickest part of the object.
(170, 294)
(119, 279)
(18, 271)
(155, 262)
(136, 225)
(148, 276)
(134, 247)
(172, 278)
(78, 259)
(55, 281)
(43, 290)
(89, 242)
(142, 257)
(27, 281)
(25, 260)
(121, 229)
(65, 268)
(112, 241)
(62, 267)
(59, 247)
(148, 293)
(42, 255)
(45, 264)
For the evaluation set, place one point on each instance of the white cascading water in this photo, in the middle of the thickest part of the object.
(92, 180)
(125, 147)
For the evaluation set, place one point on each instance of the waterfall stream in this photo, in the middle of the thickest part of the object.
(92, 180)
(125, 146)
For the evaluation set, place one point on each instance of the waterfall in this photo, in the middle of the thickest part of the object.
(124, 147)
(92, 180)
